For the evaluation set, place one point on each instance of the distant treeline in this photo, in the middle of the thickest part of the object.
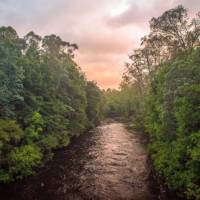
(45, 99)
(160, 94)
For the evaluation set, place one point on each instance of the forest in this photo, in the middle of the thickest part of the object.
(45, 99)
(160, 95)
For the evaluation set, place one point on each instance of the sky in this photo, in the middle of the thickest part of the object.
(106, 31)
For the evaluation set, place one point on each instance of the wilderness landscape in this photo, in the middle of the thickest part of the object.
(98, 120)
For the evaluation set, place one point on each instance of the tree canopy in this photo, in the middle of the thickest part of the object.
(45, 100)
(160, 94)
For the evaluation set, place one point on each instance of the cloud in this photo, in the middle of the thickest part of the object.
(192, 5)
(105, 31)
(133, 15)
(140, 12)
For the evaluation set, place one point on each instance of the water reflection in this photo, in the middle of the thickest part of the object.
(117, 166)
(108, 163)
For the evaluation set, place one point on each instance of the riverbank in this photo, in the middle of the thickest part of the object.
(157, 182)
(108, 162)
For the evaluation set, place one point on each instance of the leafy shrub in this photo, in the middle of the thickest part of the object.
(49, 142)
(10, 132)
(35, 127)
(23, 160)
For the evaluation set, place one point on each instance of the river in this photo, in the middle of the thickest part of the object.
(108, 163)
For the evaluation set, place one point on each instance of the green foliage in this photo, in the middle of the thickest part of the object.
(94, 103)
(126, 102)
(160, 92)
(23, 160)
(10, 132)
(173, 122)
(45, 100)
(4, 176)
(35, 128)
(10, 136)
(49, 142)
(11, 72)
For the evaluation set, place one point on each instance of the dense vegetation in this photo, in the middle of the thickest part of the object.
(160, 93)
(45, 99)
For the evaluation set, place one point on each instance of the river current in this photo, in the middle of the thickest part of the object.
(108, 163)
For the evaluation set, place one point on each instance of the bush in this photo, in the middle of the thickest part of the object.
(35, 127)
(23, 160)
(10, 132)
(49, 142)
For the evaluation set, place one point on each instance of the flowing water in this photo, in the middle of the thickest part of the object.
(108, 163)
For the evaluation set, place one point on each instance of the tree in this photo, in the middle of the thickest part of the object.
(94, 108)
(45, 100)
(11, 73)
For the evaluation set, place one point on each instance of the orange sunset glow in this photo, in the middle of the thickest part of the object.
(105, 31)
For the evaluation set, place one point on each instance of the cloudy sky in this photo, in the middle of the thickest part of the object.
(106, 31)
